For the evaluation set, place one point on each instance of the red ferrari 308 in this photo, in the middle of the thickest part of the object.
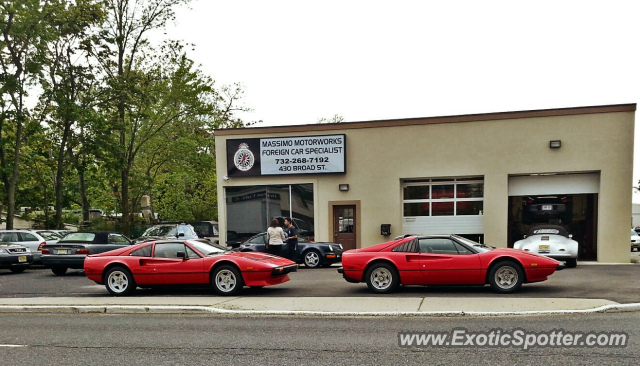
(185, 262)
(444, 260)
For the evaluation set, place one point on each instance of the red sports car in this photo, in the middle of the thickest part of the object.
(191, 262)
(443, 260)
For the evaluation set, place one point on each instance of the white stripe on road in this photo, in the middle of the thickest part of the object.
(13, 345)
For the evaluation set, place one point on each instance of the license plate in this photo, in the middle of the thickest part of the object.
(63, 251)
(543, 249)
(22, 258)
(547, 207)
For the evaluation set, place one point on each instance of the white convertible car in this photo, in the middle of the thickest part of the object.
(635, 240)
(551, 241)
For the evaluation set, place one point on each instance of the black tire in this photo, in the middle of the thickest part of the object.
(382, 278)
(571, 263)
(312, 258)
(258, 287)
(59, 271)
(18, 269)
(506, 277)
(227, 280)
(119, 281)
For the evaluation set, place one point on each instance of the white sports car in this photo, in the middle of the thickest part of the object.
(551, 241)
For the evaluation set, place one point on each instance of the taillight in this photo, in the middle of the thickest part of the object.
(41, 245)
(45, 251)
(82, 251)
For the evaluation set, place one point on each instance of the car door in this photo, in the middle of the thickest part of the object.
(166, 268)
(30, 241)
(445, 262)
(258, 243)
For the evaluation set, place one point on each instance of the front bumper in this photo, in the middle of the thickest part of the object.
(561, 266)
(283, 270)
(13, 261)
(73, 261)
(332, 257)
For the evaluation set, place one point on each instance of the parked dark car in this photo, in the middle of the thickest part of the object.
(310, 254)
(71, 251)
(168, 232)
(541, 209)
(15, 257)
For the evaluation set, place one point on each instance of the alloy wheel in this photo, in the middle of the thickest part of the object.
(312, 259)
(381, 278)
(118, 281)
(506, 277)
(225, 281)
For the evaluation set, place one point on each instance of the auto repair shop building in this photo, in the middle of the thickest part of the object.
(488, 177)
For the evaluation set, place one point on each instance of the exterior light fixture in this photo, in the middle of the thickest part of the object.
(555, 144)
(343, 187)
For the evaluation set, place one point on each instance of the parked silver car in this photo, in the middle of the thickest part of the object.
(28, 238)
(15, 257)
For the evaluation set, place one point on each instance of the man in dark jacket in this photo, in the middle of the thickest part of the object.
(292, 239)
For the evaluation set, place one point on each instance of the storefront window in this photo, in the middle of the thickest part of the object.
(416, 209)
(416, 192)
(444, 197)
(442, 208)
(250, 209)
(469, 208)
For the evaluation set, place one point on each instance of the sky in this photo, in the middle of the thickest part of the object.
(300, 61)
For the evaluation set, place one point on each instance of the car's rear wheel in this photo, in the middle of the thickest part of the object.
(572, 263)
(382, 278)
(506, 277)
(119, 281)
(312, 259)
(18, 270)
(59, 271)
(227, 280)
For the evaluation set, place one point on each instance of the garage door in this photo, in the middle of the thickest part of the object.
(554, 184)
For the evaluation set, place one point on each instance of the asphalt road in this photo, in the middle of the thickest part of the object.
(616, 283)
(209, 340)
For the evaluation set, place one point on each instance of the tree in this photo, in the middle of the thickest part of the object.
(122, 57)
(335, 119)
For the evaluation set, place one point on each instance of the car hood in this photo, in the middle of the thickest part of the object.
(263, 258)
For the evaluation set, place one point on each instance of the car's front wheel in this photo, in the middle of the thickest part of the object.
(119, 281)
(227, 280)
(59, 271)
(382, 278)
(312, 259)
(572, 263)
(506, 277)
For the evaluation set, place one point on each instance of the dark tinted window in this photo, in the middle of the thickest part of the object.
(142, 252)
(437, 246)
(260, 239)
(168, 250)
(9, 237)
(117, 239)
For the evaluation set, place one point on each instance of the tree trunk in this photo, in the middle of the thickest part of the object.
(83, 196)
(60, 175)
(11, 205)
(124, 203)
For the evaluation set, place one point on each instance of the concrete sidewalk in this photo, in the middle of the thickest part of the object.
(315, 306)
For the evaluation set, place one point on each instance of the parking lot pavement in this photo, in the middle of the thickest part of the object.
(616, 283)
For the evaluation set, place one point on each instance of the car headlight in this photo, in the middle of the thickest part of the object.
(331, 248)
(4, 251)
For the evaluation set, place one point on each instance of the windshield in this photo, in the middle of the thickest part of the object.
(207, 249)
(165, 230)
(548, 230)
(480, 248)
(633, 233)
(49, 235)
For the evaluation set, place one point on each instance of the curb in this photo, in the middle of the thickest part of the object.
(118, 309)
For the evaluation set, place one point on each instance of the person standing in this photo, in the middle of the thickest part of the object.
(292, 239)
(275, 238)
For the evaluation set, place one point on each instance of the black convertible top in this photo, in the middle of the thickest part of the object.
(101, 237)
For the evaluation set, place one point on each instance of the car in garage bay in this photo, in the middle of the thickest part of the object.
(635, 240)
(311, 254)
(552, 241)
(71, 251)
(443, 260)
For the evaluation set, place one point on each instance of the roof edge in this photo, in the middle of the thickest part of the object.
(630, 107)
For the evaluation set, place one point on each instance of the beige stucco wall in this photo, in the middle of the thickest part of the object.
(379, 158)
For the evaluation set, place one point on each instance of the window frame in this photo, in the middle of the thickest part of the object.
(443, 182)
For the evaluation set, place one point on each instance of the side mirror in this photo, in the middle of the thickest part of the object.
(182, 255)
(180, 234)
(570, 236)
